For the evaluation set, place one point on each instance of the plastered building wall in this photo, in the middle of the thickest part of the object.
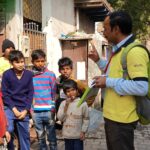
(57, 18)
(14, 20)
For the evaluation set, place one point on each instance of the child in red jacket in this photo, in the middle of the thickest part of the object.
(3, 124)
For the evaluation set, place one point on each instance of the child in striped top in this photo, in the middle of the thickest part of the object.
(44, 100)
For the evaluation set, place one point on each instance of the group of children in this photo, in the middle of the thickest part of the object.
(39, 93)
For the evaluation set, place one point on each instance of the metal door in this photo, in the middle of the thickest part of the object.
(77, 51)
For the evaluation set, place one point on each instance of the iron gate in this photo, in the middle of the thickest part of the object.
(36, 37)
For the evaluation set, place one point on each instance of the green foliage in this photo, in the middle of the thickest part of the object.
(10, 6)
(140, 13)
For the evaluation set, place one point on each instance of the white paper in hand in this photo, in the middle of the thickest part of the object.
(92, 83)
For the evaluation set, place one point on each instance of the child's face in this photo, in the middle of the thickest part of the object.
(7, 51)
(39, 63)
(72, 93)
(18, 65)
(66, 72)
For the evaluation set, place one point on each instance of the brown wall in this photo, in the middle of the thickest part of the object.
(76, 50)
(32, 10)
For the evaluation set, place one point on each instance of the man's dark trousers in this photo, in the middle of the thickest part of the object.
(119, 136)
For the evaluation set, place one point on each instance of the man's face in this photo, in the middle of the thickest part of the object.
(18, 65)
(39, 63)
(66, 72)
(109, 33)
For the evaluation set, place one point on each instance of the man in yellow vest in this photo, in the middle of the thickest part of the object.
(119, 109)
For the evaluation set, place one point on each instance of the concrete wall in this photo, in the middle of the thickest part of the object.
(14, 20)
(57, 18)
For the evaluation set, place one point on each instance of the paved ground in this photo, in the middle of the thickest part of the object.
(96, 141)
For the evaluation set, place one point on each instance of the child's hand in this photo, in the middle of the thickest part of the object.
(23, 114)
(8, 136)
(31, 113)
(1, 141)
(82, 136)
(16, 112)
(66, 105)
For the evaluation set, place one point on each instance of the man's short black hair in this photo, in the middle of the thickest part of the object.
(38, 53)
(69, 83)
(121, 19)
(65, 61)
(15, 55)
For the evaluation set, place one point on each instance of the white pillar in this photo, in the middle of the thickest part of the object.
(57, 18)
(14, 26)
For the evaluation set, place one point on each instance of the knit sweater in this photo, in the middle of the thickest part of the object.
(17, 92)
(44, 91)
(75, 120)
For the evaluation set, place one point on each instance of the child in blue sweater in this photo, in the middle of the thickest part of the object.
(17, 92)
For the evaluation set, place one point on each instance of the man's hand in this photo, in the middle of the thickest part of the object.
(93, 54)
(16, 112)
(23, 114)
(100, 81)
(82, 136)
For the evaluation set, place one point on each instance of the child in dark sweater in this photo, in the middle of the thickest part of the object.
(17, 91)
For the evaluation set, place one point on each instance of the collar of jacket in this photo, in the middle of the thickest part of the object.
(36, 71)
(129, 41)
(60, 79)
